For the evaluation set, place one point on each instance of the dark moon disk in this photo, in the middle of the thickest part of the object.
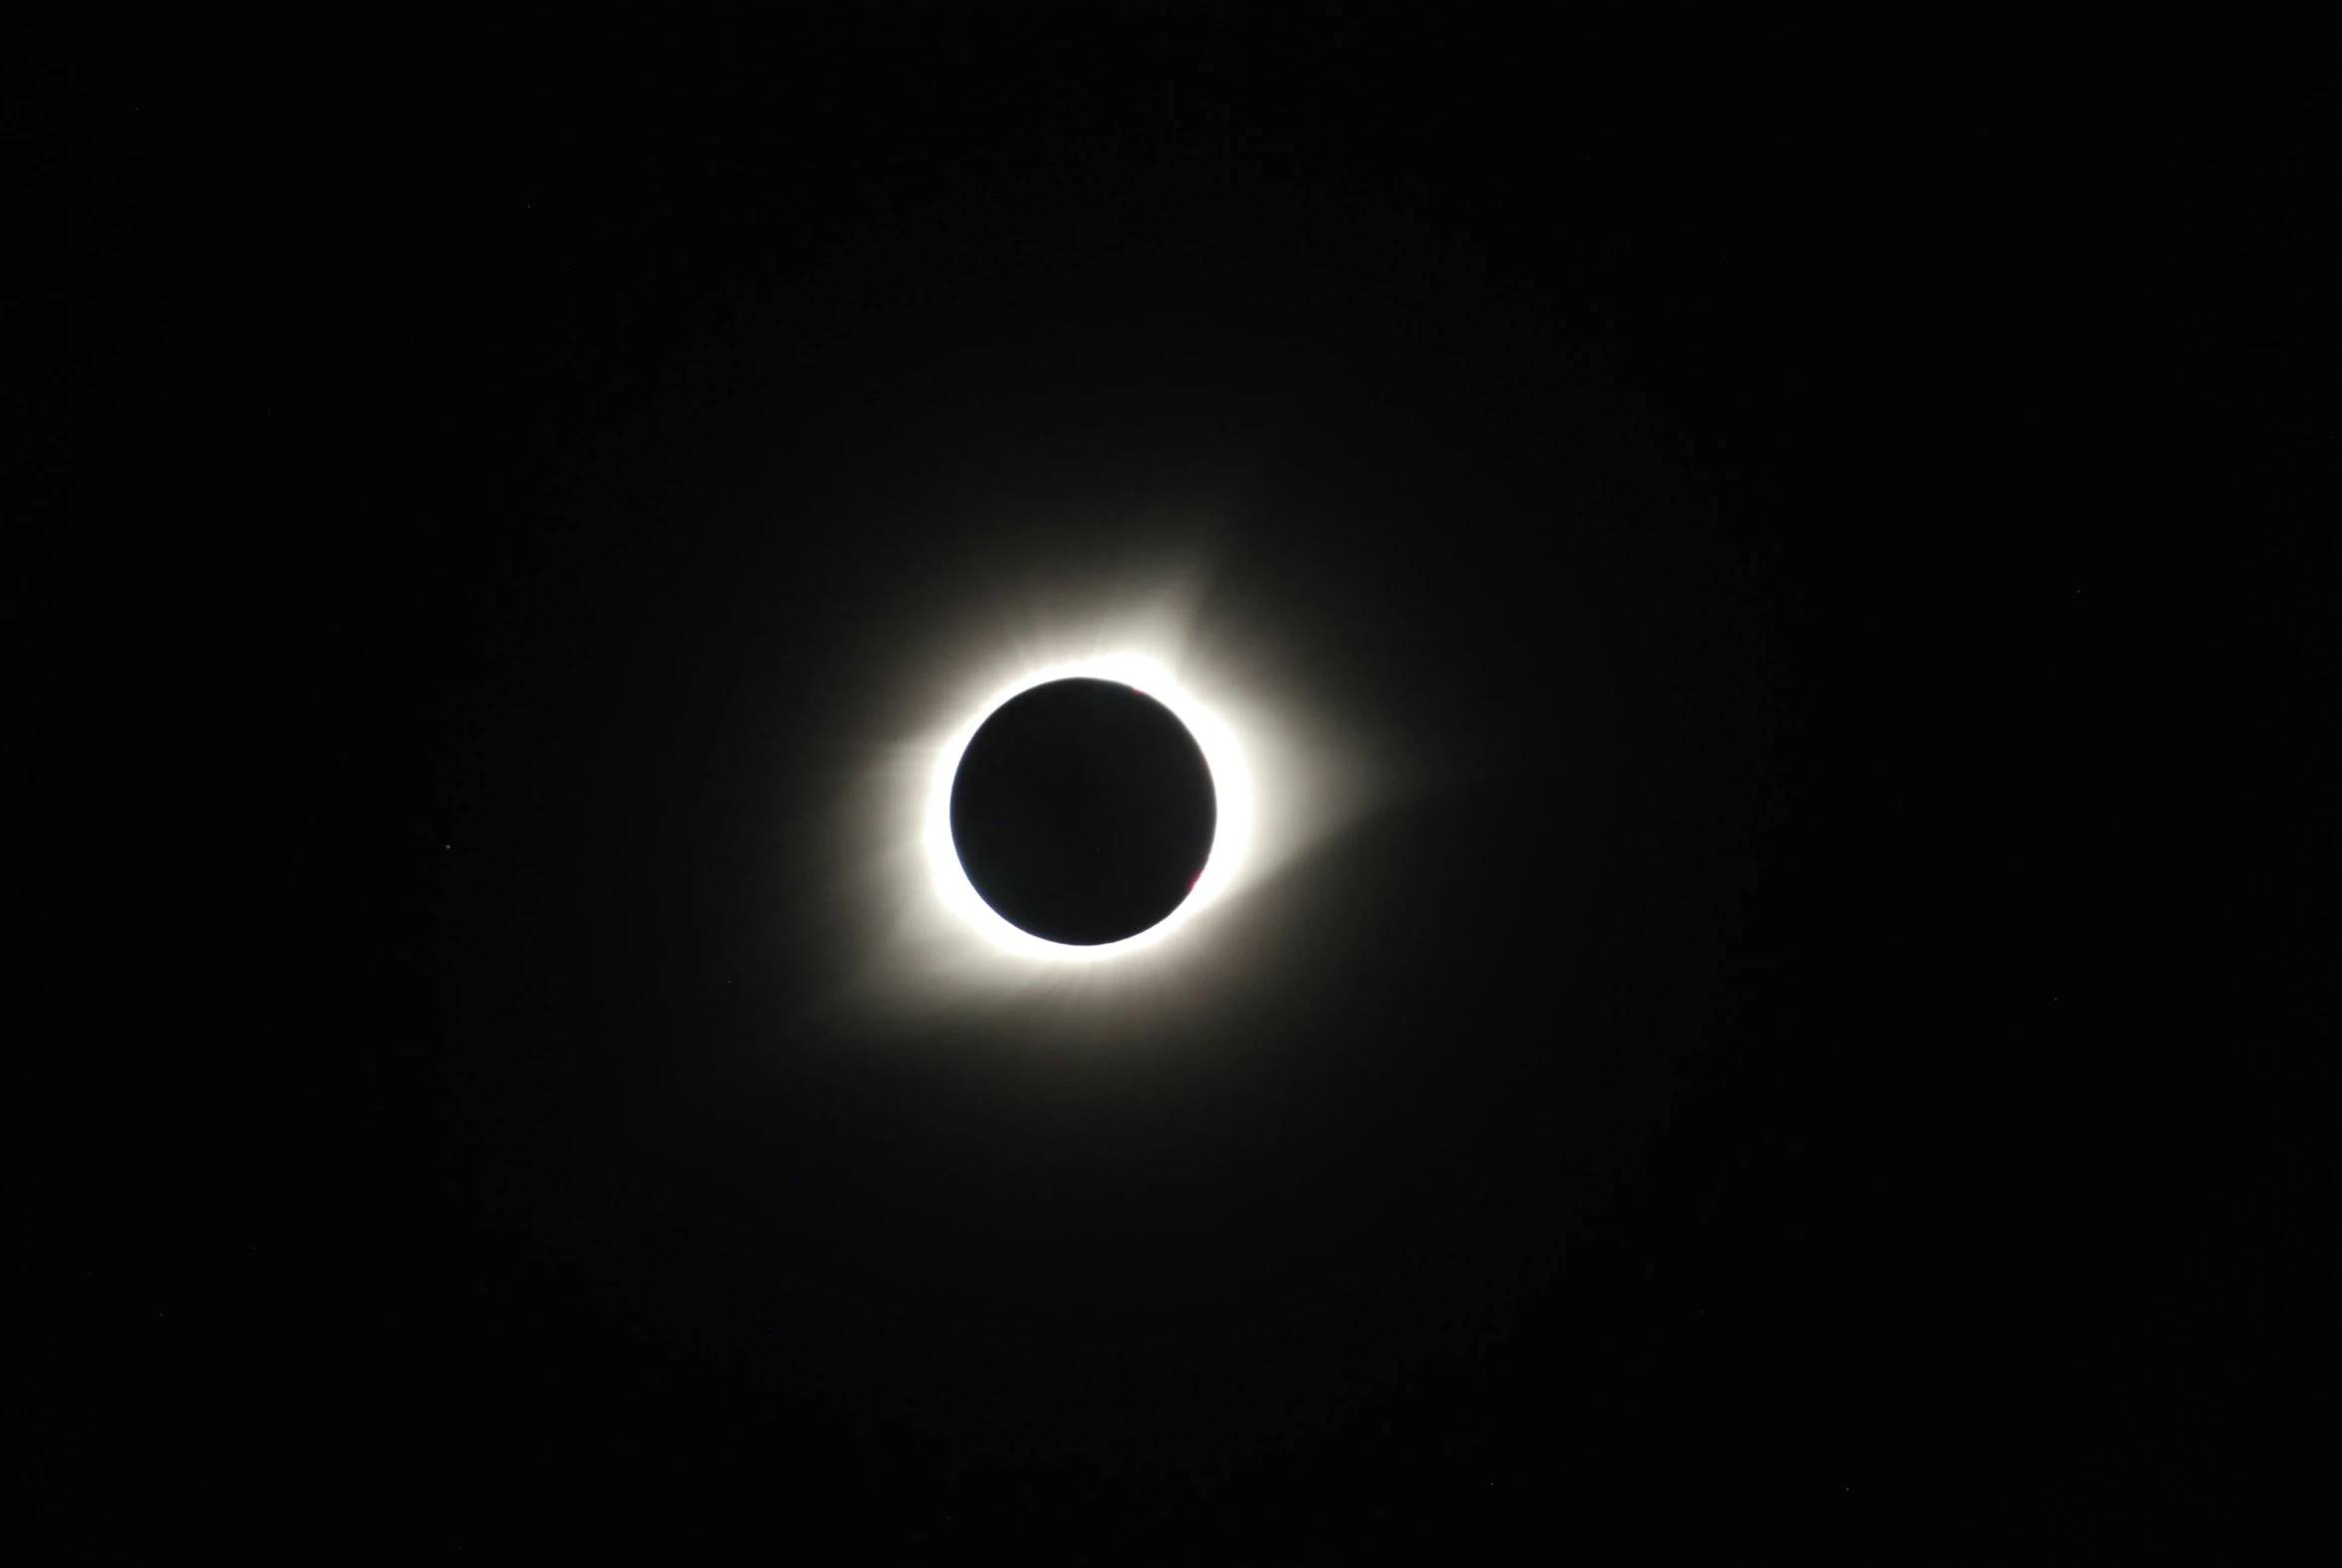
(1083, 811)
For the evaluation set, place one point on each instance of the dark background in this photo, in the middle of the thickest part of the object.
(1843, 1066)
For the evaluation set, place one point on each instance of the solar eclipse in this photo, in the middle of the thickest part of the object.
(1083, 811)
(1086, 810)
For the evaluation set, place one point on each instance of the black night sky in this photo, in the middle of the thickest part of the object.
(1819, 1056)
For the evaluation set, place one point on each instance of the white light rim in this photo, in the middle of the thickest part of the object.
(1231, 784)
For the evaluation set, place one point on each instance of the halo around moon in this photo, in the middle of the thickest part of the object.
(899, 934)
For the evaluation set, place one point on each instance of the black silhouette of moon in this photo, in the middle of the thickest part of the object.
(1083, 811)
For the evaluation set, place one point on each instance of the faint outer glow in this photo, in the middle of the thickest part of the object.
(1231, 783)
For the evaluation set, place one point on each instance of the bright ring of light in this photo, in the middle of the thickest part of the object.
(1232, 786)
